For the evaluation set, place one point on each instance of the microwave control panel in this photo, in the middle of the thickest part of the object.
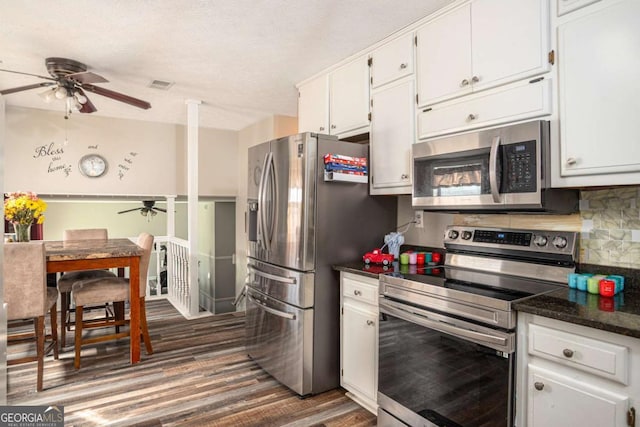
(519, 168)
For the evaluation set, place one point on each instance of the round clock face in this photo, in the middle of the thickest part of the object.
(93, 165)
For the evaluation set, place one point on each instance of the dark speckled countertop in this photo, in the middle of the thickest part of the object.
(620, 314)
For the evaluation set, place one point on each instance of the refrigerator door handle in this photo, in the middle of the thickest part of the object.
(271, 310)
(272, 189)
(261, 203)
(287, 280)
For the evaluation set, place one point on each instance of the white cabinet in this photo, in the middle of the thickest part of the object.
(517, 101)
(336, 103)
(482, 44)
(599, 94)
(359, 338)
(391, 137)
(569, 374)
(349, 98)
(392, 61)
(566, 6)
(313, 106)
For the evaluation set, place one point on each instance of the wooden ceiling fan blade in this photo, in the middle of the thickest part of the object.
(86, 77)
(130, 210)
(29, 74)
(28, 87)
(117, 96)
(88, 106)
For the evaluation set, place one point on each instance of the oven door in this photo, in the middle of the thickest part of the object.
(436, 370)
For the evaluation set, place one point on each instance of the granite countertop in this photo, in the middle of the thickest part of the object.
(619, 314)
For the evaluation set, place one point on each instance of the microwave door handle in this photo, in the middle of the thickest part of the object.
(493, 169)
(271, 310)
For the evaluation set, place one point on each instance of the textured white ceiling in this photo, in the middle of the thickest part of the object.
(241, 58)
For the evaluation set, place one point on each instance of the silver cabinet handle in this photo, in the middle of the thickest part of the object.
(568, 353)
(333, 126)
(370, 322)
(471, 117)
(538, 385)
(464, 83)
(475, 79)
(571, 161)
(321, 127)
(357, 293)
(404, 176)
(403, 65)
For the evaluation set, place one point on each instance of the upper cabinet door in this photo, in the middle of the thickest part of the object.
(480, 45)
(392, 61)
(510, 40)
(313, 106)
(349, 97)
(444, 57)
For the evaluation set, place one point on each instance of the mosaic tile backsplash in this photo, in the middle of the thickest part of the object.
(610, 227)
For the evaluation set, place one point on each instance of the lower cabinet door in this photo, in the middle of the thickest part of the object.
(556, 400)
(359, 346)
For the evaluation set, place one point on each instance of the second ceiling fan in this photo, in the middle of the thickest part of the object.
(147, 209)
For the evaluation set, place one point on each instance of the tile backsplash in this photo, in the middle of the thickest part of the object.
(610, 227)
(608, 222)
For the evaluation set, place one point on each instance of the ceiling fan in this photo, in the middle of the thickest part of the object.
(69, 80)
(147, 209)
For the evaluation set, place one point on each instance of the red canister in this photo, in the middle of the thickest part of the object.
(607, 287)
(436, 257)
(420, 258)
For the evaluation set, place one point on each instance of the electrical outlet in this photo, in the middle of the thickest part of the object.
(418, 218)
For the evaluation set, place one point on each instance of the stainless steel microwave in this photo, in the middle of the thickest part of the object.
(505, 169)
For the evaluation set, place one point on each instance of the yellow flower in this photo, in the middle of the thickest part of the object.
(24, 208)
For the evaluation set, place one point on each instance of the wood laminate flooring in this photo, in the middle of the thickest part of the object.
(198, 375)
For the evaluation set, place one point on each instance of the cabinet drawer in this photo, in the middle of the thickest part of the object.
(520, 101)
(596, 357)
(360, 291)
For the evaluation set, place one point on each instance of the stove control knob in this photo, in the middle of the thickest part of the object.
(466, 235)
(540, 240)
(453, 234)
(559, 242)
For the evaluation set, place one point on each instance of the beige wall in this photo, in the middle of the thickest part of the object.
(157, 166)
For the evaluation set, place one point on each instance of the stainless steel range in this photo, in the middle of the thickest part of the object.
(447, 334)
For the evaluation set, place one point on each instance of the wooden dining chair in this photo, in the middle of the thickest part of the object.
(29, 299)
(110, 289)
(66, 281)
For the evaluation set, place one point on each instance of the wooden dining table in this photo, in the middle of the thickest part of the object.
(73, 255)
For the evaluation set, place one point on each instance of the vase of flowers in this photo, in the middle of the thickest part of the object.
(23, 209)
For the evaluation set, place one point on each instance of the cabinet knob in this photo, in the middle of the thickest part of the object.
(538, 385)
(403, 65)
(370, 322)
(357, 293)
(571, 161)
(567, 353)
(333, 126)
(471, 117)
(464, 83)
(475, 79)
(321, 127)
(404, 176)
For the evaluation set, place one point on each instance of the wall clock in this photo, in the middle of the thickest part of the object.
(93, 165)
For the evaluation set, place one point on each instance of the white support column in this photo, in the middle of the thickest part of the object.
(171, 215)
(192, 205)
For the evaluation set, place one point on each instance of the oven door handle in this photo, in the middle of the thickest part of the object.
(493, 169)
(392, 308)
(271, 310)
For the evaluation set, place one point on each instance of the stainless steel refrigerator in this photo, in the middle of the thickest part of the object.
(299, 226)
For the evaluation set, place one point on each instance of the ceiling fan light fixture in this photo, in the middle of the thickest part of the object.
(81, 98)
(61, 92)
